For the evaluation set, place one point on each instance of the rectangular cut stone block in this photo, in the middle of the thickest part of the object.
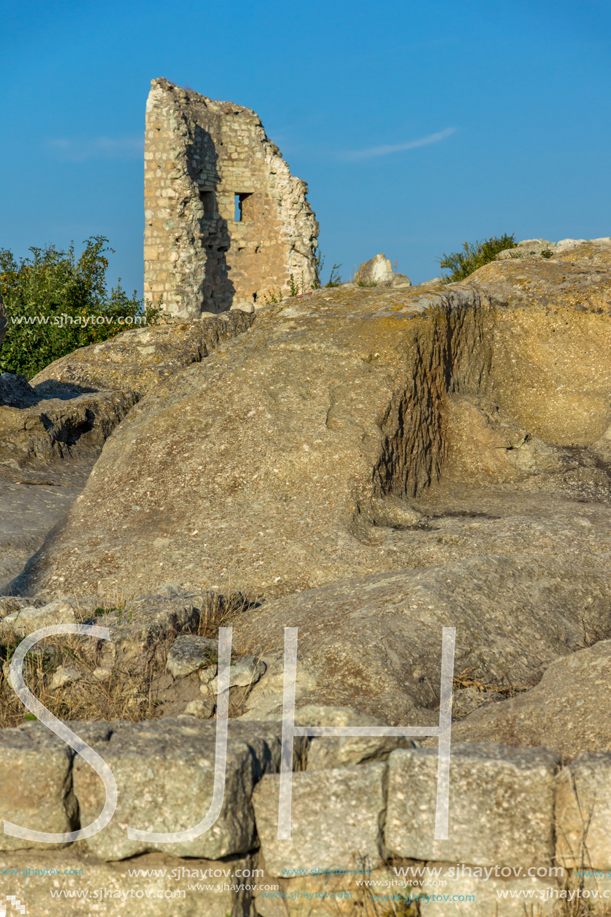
(35, 787)
(35, 781)
(493, 897)
(166, 887)
(165, 775)
(583, 812)
(334, 894)
(501, 805)
(336, 819)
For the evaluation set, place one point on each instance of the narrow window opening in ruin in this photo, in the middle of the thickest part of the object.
(207, 199)
(243, 207)
(254, 297)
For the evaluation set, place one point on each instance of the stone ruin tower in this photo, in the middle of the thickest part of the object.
(226, 222)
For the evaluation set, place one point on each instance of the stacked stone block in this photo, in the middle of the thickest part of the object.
(522, 828)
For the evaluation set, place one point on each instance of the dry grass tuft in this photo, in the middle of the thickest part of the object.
(134, 690)
(127, 694)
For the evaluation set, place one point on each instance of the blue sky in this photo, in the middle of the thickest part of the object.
(416, 125)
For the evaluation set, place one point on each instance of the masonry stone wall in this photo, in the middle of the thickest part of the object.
(521, 826)
(225, 221)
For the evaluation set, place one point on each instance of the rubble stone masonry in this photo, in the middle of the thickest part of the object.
(226, 222)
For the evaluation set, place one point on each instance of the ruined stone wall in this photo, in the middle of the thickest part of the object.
(207, 162)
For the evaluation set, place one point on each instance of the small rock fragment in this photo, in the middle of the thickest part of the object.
(64, 676)
(202, 709)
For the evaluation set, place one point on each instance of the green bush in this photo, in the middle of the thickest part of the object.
(57, 303)
(461, 264)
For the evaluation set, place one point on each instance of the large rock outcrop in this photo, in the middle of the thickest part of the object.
(567, 711)
(375, 643)
(286, 459)
(141, 358)
(52, 430)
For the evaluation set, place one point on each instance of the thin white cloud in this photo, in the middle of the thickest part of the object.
(83, 149)
(398, 147)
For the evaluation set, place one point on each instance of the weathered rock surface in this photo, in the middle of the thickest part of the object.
(190, 653)
(501, 805)
(567, 711)
(36, 792)
(528, 248)
(336, 820)
(244, 673)
(578, 249)
(140, 359)
(16, 391)
(434, 432)
(51, 432)
(343, 399)
(165, 775)
(31, 504)
(140, 626)
(374, 643)
(56, 424)
(27, 620)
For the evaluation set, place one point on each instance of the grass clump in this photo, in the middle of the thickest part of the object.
(57, 303)
(461, 264)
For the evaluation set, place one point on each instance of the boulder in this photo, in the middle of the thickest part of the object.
(190, 653)
(328, 752)
(376, 270)
(201, 709)
(64, 676)
(29, 619)
(36, 431)
(528, 248)
(343, 398)
(35, 771)
(379, 271)
(140, 625)
(244, 672)
(567, 711)
(16, 391)
(248, 307)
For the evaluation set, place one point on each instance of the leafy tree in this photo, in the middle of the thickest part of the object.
(57, 303)
(461, 264)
